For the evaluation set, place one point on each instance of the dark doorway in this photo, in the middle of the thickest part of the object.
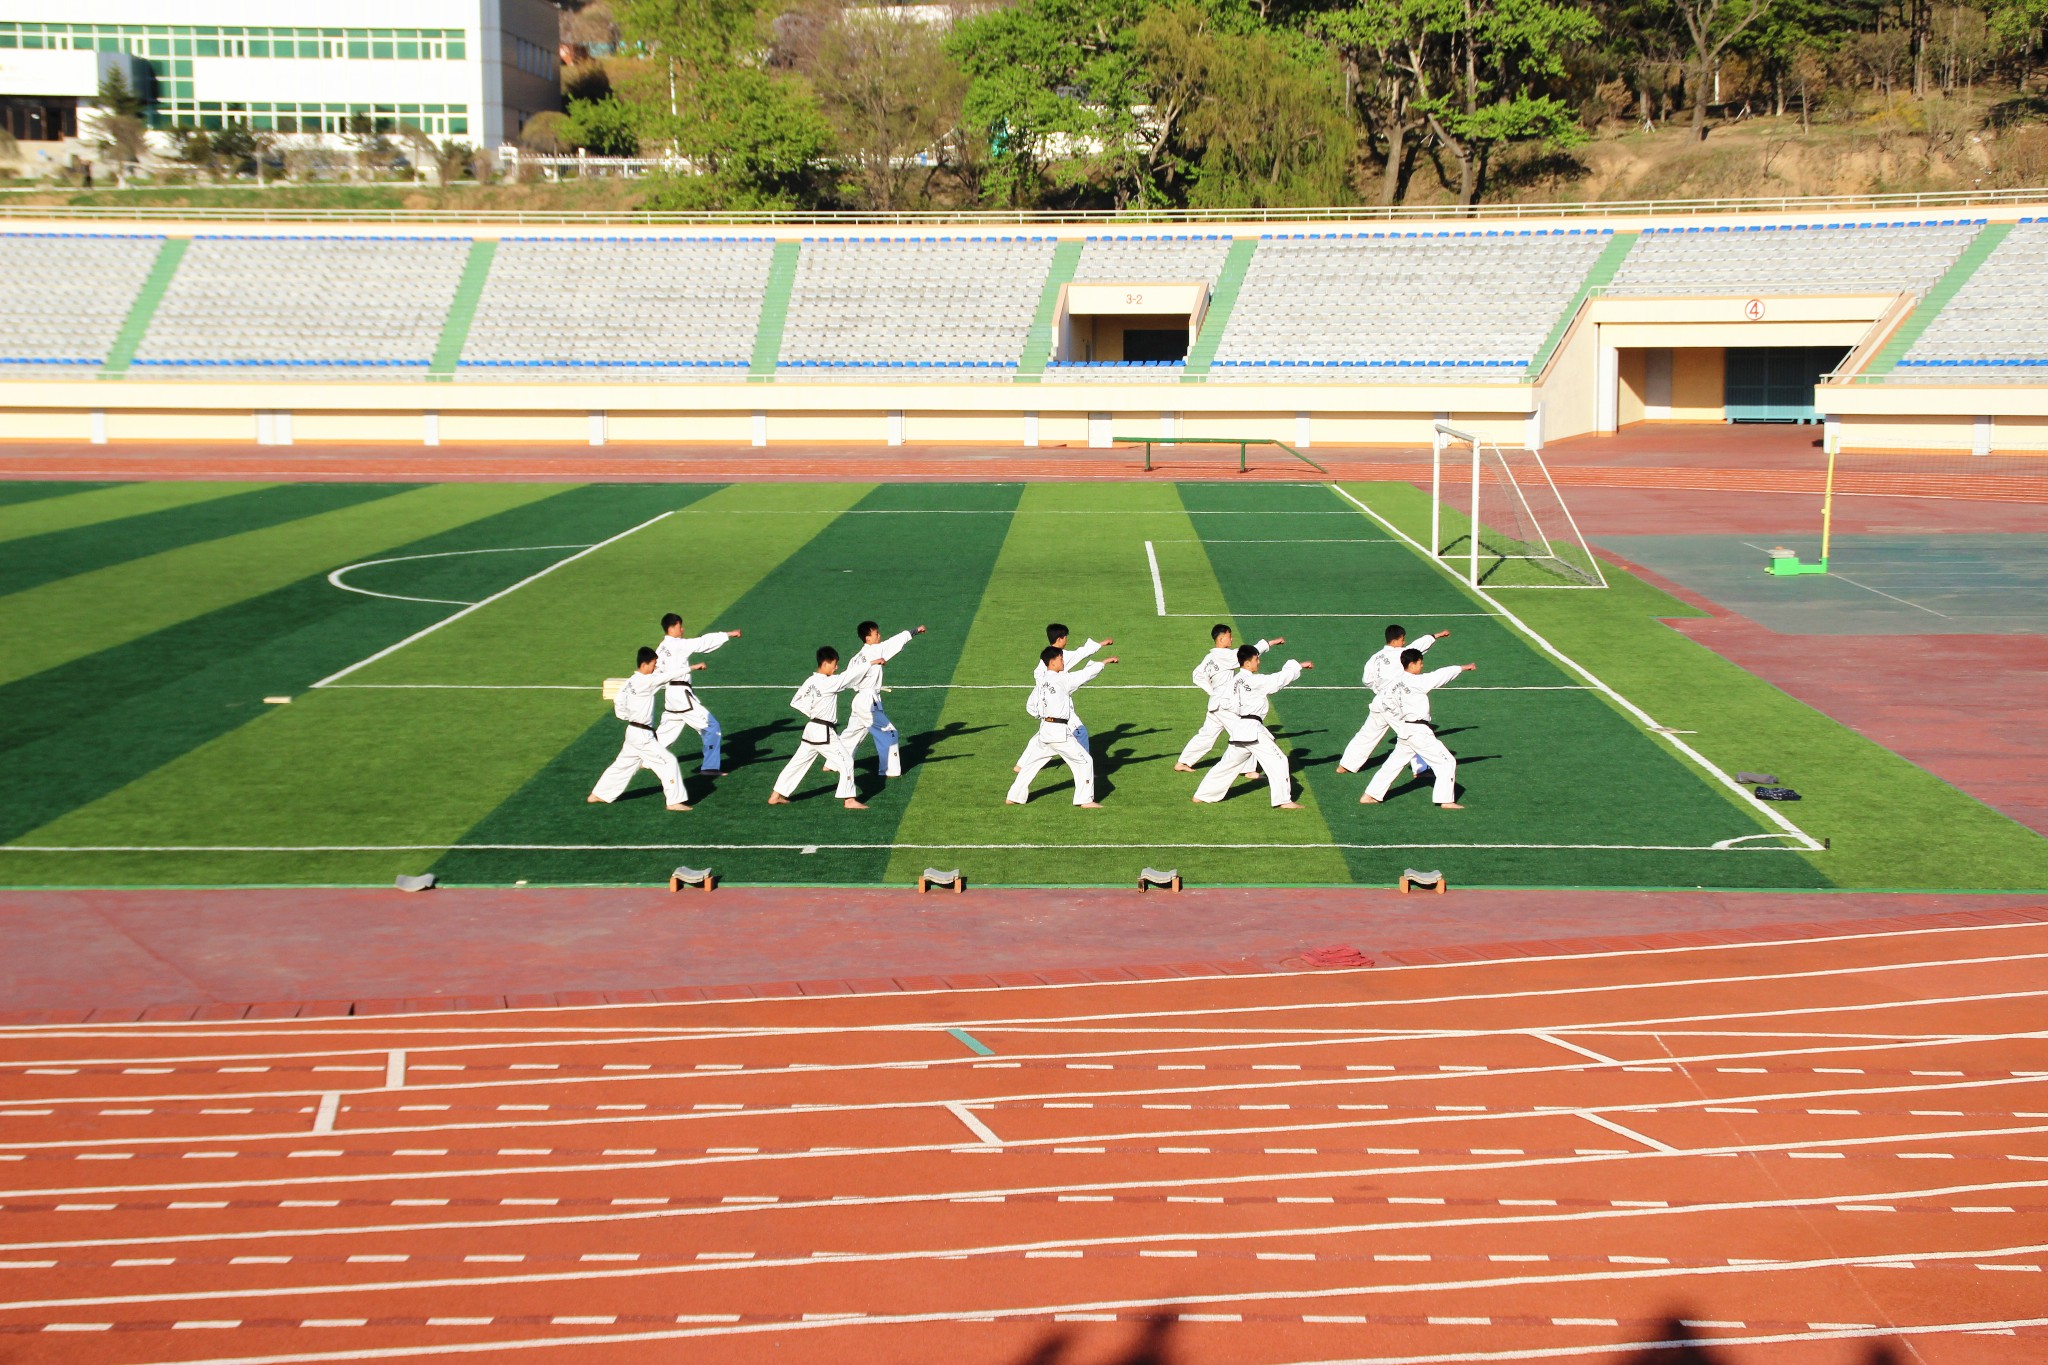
(1775, 383)
(1167, 343)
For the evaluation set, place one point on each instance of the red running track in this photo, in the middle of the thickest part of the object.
(1802, 1148)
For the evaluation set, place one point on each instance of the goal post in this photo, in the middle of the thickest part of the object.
(1495, 512)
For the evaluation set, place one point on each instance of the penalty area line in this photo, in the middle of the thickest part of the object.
(478, 606)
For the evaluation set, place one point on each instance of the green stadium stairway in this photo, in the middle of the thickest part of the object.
(774, 311)
(1930, 305)
(1598, 276)
(1228, 284)
(469, 291)
(129, 339)
(1038, 342)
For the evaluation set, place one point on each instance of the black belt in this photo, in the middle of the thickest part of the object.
(641, 725)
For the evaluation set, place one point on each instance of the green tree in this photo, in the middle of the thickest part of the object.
(1271, 127)
(119, 131)
(890, 92)
(612, 127)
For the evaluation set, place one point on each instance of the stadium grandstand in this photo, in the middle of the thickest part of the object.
(1893, 328)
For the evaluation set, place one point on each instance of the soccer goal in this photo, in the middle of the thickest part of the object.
(1495, 512)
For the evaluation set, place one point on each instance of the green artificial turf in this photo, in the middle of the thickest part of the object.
(34, 509)
(147, 632)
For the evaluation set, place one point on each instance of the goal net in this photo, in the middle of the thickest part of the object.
(1496, 515)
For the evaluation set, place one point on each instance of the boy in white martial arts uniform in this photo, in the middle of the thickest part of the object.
(1415, 732)
(865, 716)
(1056, 636)
(1383, 673)
(635, 706)
(1051, 704)
(1247, 700)
(1214, 675)
(680, 704)
(818, 702)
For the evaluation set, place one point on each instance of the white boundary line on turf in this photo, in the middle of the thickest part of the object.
(1374, 1289)
(639, 1272)
(1722, 846)
(911, 687)
(1812, 845)
(336, 577)
(1158, 587)
(324, 1026)
(502, 592)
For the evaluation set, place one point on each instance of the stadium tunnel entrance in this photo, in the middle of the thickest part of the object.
(1127, 324)
(1728, 359)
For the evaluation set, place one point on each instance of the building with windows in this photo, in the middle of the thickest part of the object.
(472, 70)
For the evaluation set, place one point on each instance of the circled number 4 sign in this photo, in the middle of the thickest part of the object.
(1754, 310)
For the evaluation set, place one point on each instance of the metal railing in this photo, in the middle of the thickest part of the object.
(983, 218)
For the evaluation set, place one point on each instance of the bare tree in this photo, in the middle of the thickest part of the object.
(891, 94)
(1712, 25)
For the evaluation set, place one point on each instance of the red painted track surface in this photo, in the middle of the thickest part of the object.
(1802, 1147)
(1705, 456)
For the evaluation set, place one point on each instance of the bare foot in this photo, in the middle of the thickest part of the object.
(777, 799)
(1289, 805)
(852, 804)
(678, 806)
(1087, 805)
(1008, 802)
(1368, 800)
(1450, 805)
(595, 800)
(1183, 767)
(1342, 769)
(1015, 769)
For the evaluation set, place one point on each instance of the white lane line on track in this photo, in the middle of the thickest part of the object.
(1644, 1348)
(394, 1069)
(1571, 1046)
(1631, 1134)
(1430, 1120)
(236, 1028)
(983, 1194)
(1376, 1289)
(480, 605)
(1743, 794)
(1335, 1038)
(324, 1116)
(974, 1125)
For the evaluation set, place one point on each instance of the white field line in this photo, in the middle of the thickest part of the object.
(624, 1118)
(913, 687)
(1136, 849)
(1328, 615)
(1649, 722)
(1291, 1230)
(986, 1193)
(480, 605)
(337, 580)
(1375, 1289)
(1364, 1075)
(1025, 1023)
(1631, 1134)
(1158, 588)
(235, 1028)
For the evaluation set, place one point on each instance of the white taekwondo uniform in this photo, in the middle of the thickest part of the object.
(864, 714)
(1213, 675)
(818, 701)
(1058, 734)
(642, 749)
(1074, 656)
(1247, 702)
(1415, 733)
(680, 704)
(1383, 672)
